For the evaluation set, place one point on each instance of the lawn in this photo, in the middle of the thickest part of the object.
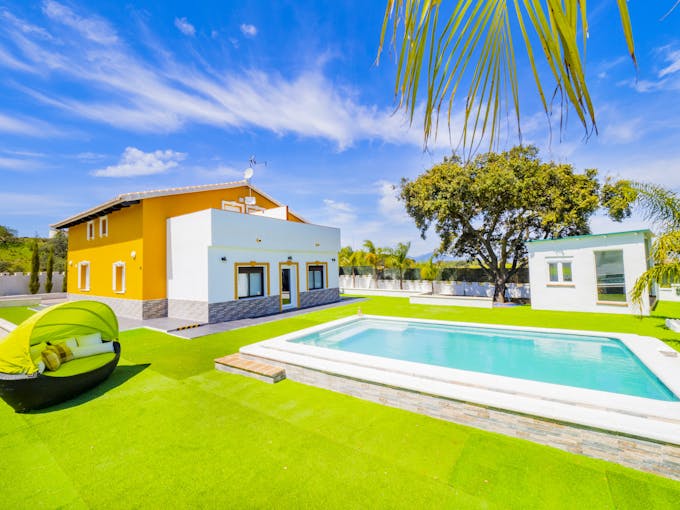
(168, 430)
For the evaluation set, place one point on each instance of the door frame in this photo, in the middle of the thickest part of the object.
(297, 284)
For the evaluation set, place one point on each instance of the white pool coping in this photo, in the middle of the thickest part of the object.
(637, 416)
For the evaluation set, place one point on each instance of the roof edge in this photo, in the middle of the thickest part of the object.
(645, 231)
(136, 197)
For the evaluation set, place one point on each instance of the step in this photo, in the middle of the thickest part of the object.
(237, 364)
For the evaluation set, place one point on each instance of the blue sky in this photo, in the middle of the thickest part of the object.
(100, 98)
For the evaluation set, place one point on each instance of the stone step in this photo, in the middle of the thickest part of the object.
(237, 364)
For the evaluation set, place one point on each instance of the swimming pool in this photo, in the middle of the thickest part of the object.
(507, 379)
(593, 362)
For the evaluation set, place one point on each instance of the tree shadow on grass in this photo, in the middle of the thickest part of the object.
(121, 375)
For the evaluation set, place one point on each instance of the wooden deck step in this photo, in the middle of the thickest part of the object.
(237, 364)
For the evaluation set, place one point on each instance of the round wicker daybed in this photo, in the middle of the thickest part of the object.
(23, 387)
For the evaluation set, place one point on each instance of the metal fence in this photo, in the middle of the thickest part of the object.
(447, 274)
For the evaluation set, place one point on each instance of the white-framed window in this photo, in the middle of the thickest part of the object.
(84, 276)
(89, 230)
(560, 272)
(104, 226)
(228, 205)
(118, 277)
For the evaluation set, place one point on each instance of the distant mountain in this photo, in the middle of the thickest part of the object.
(426, 256)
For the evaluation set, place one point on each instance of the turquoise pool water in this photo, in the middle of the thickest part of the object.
(593, 362)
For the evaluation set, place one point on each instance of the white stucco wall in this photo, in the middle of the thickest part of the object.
(671, 293)
(197, 242)
(581, 294)
(189, 237)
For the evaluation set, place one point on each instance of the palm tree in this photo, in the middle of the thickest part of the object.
(662, 207)
(399, 260)
(347, 257)
(445, 43)
(430, 271)
(374, 257)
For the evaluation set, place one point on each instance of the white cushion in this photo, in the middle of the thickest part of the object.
(92, 350)
(93, 339)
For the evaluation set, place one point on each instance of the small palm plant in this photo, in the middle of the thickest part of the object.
(430, 271)
(399, 260)
(375, 256)
(347, 257)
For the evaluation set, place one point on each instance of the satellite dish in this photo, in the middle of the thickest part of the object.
(248, 173)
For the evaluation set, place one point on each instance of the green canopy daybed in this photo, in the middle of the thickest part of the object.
(23, 387)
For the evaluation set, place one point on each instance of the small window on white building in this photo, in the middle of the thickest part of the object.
(84, 276)
(315, 277)
(104, 226)
(118, 277)
(611, 281)
(89, 231)
(560, 272)
(250, 282)
(566, 272)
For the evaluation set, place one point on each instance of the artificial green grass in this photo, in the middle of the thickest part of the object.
(168, 430)
(15, 314)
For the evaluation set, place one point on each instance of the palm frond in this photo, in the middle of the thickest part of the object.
(470, 50)
(667, 247)
(658, 204)
(668, 272)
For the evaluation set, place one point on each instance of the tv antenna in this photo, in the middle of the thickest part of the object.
(252, 163)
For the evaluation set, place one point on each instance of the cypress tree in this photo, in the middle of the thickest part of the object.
(34, 283)
(50, 269)
(63, 282)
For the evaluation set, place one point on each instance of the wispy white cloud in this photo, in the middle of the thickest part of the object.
(25, 126)
(135, 162)
(389, 204)
(668, 77)
(19, 164)
(218, 172)
(135, 93)
(185, 27)
(26, 204)
(248, 30)
(92, 28)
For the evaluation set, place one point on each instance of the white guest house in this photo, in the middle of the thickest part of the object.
(590, 273)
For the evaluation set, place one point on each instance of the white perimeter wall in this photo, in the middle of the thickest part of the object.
(17, 283)
(198, 241)
(582, 294)
(671, 293)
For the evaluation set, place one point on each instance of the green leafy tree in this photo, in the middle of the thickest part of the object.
(398, 259)
(460, 49)
(64, 282)
(8, 236)
(430, 271)
(50, 270)
(486, 209)
(34, 282)
(660, 206)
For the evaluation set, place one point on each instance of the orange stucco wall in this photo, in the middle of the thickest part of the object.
(124, 237)
(141, 228)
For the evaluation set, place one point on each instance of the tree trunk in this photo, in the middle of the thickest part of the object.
(499, 290)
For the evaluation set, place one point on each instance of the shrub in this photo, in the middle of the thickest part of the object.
(34, 283)
(50, 269)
